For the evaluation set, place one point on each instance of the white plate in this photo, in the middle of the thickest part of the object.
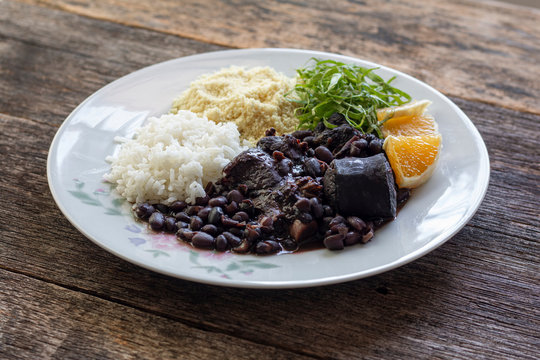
(435, 212)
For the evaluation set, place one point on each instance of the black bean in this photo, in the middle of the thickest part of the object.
(337, 220)
(210, 229)
(236, 231)
(252, 234)
(210, 189)
(328, 211)
(357, 223)
(316, 208)
(203, 213)
(232, 239)
(310, 152)
(275, 245)
(156, 221)
(267, 222)
(370, 137)
(221, 243)
(193, 209)
(143, 211)
(322, 153)
(352, 238)
(339, 229)
(196, 223)
(178, 206)
(231, 208)
(182, 216)
(313, 167)
(218, 201)
(267, 247)
(181, 224)
(241, 216)
(203, 240)
(367, 237)
(303, 205)
(202, 201)
(164, 209)
(305, 217)
(301, 134)
(361, 144)
(185, 234)
(375, 146)
(289, 245)
(270, 132)
(355, 151)
(263, 248)
(310, 140)
(170, 224)
(334, 242)
(228, 222)
(214, 216)
(235, 195)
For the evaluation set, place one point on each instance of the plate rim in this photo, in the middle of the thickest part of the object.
(483, 179)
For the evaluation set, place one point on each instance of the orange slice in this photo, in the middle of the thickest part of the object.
(409, 109)
(410, 125)
(413, 158)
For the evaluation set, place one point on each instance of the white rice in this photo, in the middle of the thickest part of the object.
(173, 157)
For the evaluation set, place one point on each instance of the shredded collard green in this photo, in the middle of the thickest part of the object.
(329, 86)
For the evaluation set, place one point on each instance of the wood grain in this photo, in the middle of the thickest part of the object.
(443, 298)
(473, 50)
(46, 74)
(475, 297)
(74, 325)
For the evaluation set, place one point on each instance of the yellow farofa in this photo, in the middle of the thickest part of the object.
(253, 99)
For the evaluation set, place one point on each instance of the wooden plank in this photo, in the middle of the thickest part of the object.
(473, 50)
(41, 320)
(473, 297)
(46, 74)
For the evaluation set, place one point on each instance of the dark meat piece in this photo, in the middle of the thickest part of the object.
(362, 187)
(254, 168)
(286, 144)
(334, 139)
(337, 119)
(278, 200)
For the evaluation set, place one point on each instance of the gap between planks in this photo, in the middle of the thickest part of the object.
(183, 321)
(484, 58)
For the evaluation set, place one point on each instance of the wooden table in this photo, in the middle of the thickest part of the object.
(477, 296)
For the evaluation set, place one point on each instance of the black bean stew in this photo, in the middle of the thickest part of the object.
(329, 186)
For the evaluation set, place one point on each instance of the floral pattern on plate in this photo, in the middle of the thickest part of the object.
(160, 244)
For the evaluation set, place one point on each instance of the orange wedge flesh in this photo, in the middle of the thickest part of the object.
(409, 109)
(410, 125)
(413, 158)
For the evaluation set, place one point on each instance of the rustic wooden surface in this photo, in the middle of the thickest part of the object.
(477, 296)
